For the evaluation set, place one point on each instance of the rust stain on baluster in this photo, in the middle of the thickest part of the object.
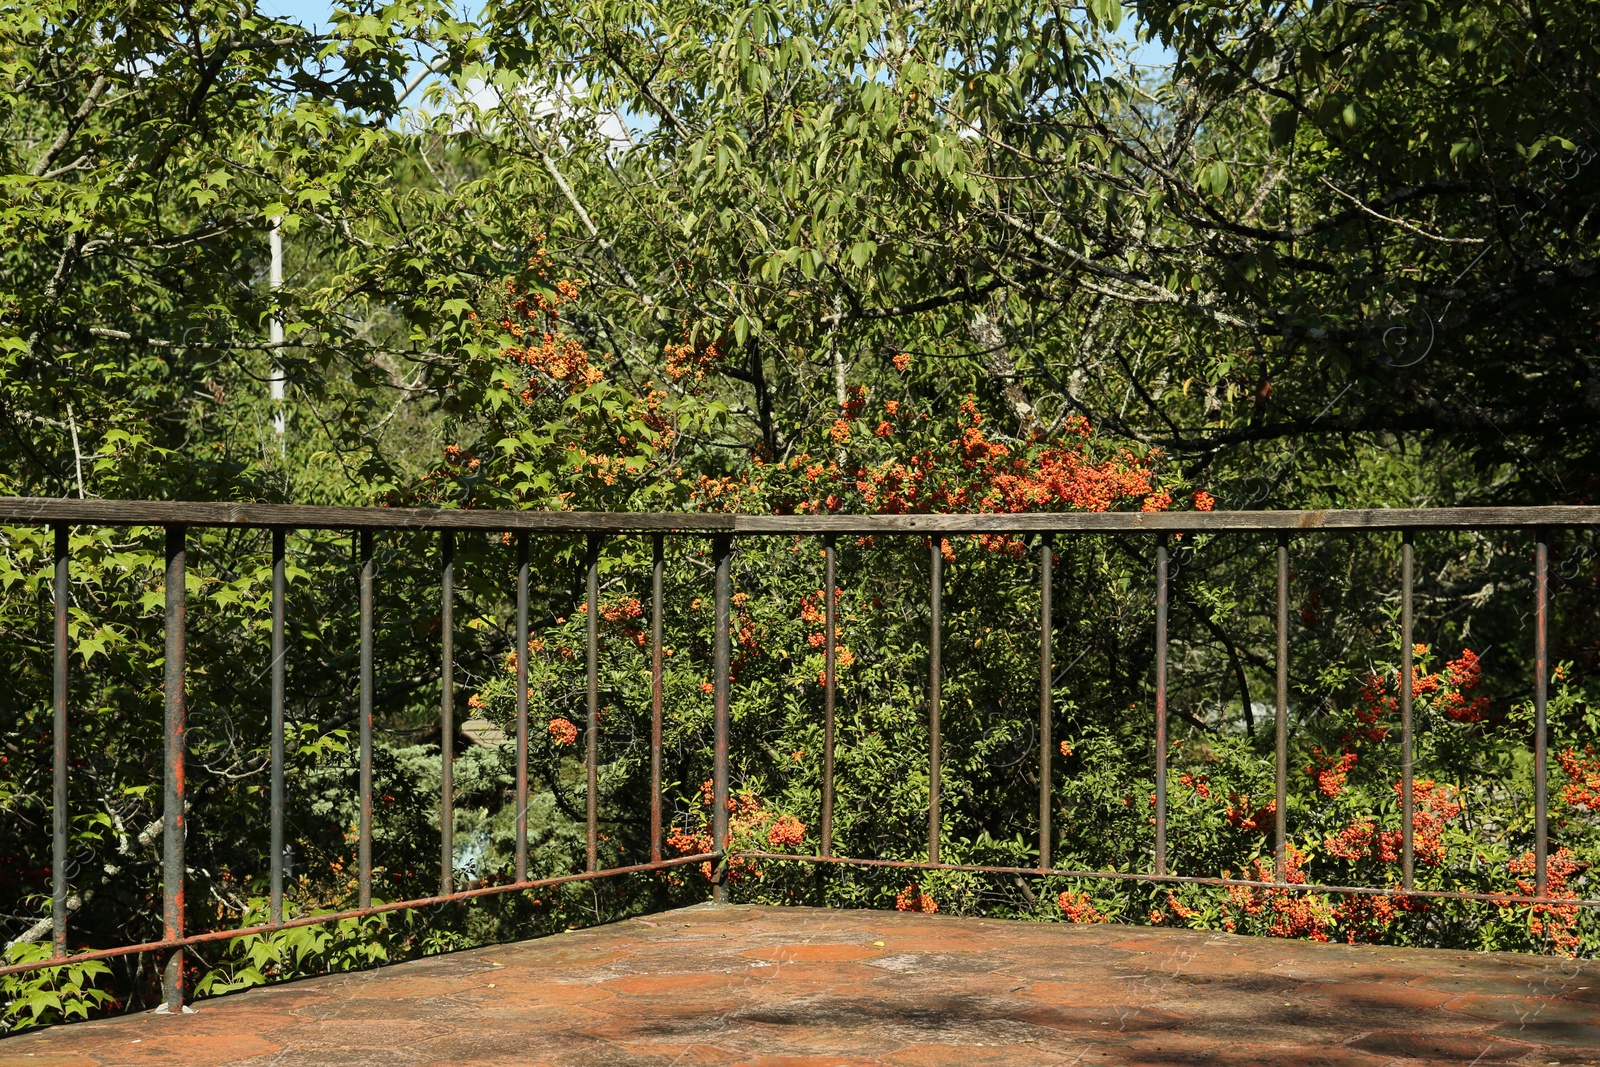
(1407, 792)
(657, 606)
(591, 756)
(58, 806)
(176, 824)
(1281, 721)
(829, 686)
(1541, 739)
(723, 553)
(275, 721)
(522, 707)
(364, 831)
(1161, 705)
(1046, 562)
(447, 714)
(935, 682)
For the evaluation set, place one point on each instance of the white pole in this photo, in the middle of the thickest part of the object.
(275, 383)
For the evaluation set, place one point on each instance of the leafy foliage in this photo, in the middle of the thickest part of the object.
(54, 995)
(798, 259)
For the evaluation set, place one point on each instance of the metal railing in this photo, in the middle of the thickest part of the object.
(177, 518)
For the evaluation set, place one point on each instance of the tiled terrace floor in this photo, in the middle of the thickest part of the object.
(801, 986)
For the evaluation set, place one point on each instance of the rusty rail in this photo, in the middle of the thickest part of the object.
(1504, 899)
(176, 945)
(178, 518)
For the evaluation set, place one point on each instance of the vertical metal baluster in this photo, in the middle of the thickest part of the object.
(829, 686)
(1541, 671)
(1407, 795)
(364, 831)
(447, 711)
(1046, 566)
(658, 556)
(522, 707)
(1281, 741)
(275, 720)
(723, 553)
(592, 738)
(172, 871)
(58, 808)
(1161, 705)
(935, 668)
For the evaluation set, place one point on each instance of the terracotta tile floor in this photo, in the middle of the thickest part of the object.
(746, 985)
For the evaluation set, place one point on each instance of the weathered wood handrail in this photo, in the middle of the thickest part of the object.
(21, 510)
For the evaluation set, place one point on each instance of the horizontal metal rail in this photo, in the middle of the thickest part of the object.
(305, 517)
(1503, 899)
(318, 919)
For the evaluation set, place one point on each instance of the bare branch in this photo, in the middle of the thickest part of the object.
(43, 163)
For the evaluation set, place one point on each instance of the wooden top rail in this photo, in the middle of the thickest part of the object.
(27, 510)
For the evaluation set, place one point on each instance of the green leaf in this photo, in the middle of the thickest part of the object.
(1283, 127)
(1214, 178)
